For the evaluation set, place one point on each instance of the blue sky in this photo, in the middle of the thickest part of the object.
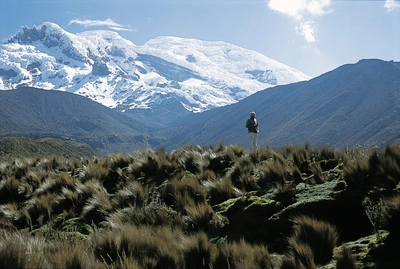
(314, 36)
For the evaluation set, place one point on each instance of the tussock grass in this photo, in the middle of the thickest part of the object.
(20, 251)
(198, 251)
(220, 190)
(243, 255)
(286, 194)
(96, 209)
(300, 257)
(154, 214)
(312, 236)
(374, 168)
(149, 247)
(391, 216)
(345, 260)
(155, 209)
(132, 194)
(9, 190)
(179, 193)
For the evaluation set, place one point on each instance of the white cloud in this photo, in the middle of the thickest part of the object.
(391, 5)
(300, 8)
(307, 30)
(93, 23)
(122, 29)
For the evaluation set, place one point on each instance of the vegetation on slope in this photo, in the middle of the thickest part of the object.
(18, 147)
(203, 207)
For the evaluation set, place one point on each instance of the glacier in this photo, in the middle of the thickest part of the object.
(165, 74)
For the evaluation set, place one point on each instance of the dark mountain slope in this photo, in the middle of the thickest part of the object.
(355, 104)
(38, 113)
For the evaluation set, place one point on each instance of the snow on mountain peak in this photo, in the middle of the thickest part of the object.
(200, 55)
(198, 75)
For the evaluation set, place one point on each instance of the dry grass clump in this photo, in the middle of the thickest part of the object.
(149, 247)
(96, 169)
(355, 174)
(203, 218)
(197, 251)
(220, 190)
(242, 255)
(301, 257)
(20, 250)
(96, 209)
(152, 167)
(273, 173)
(311, 243)
(155, 213)
(286, 194)
(242, 175)
(374, 168)
(345, 260)
(310, 164)
(132, 194)
(182, 191)
(77, 255)
(391, 216)
(9, 190)
(17, 250)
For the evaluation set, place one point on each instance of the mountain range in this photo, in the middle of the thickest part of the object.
(355, 105)
(165, 76)
(100, 89)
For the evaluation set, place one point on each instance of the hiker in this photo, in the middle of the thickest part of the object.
(252, 127)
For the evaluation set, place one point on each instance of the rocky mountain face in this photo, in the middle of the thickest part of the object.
(167, 75)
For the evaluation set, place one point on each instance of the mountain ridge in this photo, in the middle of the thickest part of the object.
(37, 113)
(195, 75)
(355, 104)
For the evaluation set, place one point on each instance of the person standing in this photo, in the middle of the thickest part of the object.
(252, 127)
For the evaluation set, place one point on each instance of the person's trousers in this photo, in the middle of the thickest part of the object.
(253, 139)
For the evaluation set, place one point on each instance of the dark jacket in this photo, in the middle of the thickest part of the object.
(250, 125)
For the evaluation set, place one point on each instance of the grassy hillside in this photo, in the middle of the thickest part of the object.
(36, 113)
(203, 207)
(17, 147)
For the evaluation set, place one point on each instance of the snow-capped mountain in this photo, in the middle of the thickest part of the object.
(177, 72)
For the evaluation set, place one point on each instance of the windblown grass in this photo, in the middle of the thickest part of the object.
(155, 209)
